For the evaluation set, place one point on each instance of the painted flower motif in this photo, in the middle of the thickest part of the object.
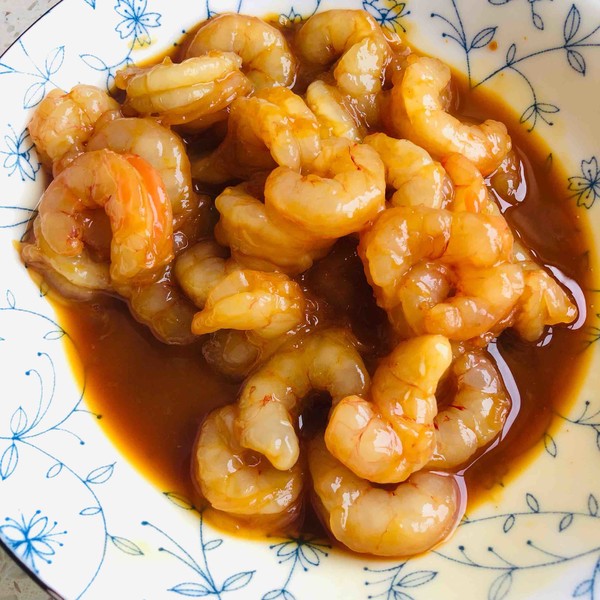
(32, 539)
(136, 20)
(292, 17)
(586, 187)
(18, 156)
(307, 552)
(387, 14)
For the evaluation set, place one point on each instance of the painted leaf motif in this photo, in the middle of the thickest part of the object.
(212, 545)
(18, 422)
(237, 581)
(532, 502)
(572, 23)
(54, 335)
(538, 22)
(54, 470)
(4, 69)
(179, 500)
(126, 545)
(576, 61)
(584, 588)
(416, 579)
(10, 299)
(593, 505)
(8, 461)
(101, 474)
(508, 523)
(550, 445)
(280, 593)
(54, 60)
(511, 53)
(483, 38)
(501, 586)
(94, 62)
(565, 522)
(192, 590)
(34, 94)
(90, 511)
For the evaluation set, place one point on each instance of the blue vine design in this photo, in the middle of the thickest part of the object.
(536, 18)
(303, 552)
(395, 582)
(590, 418)
(205, 584)
(19, 155)
(586, 187)
(388, 13)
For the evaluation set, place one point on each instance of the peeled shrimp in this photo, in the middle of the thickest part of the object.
(269, 401)
(343, 192)
(391, 435)
(64, 121)
(161, 147)
(273, 127)
(333, 112)
(356, 39)
(183, 92)
(476, 253)
(409, 519)
(411, 172)
(476, 413)
(238, 481)
(470, 190)
(418, 114)
(133, 196)
(258, 239)
(270, 304)
(266, 57)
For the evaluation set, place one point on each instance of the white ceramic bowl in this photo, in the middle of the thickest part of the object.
(88, 525)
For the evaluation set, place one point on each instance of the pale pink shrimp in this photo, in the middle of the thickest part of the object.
(408, 519)
(133, 196)
(391, 435)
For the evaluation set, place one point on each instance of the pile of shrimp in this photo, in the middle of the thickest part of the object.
(205, 194)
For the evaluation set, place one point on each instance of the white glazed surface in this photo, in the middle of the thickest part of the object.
(89, 526)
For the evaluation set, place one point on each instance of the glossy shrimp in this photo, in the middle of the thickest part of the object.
(353, 37)
(133, 196)
(411, 172)
(474, 252)
(342, 193)
(334, 112)
(273, 127)
(271, 398)
(241, 482)
(270, 304)
(409, 519)
(64, 121)
(418, 113)
(258, 239)
(266, 57)
(476, 412)
(388, 436)
(183, 92)
(161, 147)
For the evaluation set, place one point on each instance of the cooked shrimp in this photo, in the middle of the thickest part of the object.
(334, 113)
(183, 92)
(411, 172)
(344, 190)
(266, 57)
(409, 519)
(391, 435)
(543, 302)
(356, 39)
(258, 239)
(419, 114)
(270, 399)
(270, 304)
(273, 127)
(200, 268)
(476, 248)
(64, 121)
(133, 196)
(476, 413)
(238, 481)
(161, 147)
(470, 191)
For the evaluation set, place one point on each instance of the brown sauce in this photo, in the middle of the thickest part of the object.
(153, 397)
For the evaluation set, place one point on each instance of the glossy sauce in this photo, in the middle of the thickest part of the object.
(153, 397)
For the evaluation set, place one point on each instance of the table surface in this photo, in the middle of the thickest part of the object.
(17, 16)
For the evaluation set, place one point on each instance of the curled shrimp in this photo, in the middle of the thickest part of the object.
(258, 239)
(133, 196)
(160, 146)
(475, 414)
(180, 93)
(266, 56)
(270, 399)
(409, 519)
(64, 121)
(474, 252)
(411, 172)
(356, 39)
(471, 193)
(343, 192)
(418, 113)
(390, 435)
(333, 112)
(238, 481)
(273, 127)
(270, 304)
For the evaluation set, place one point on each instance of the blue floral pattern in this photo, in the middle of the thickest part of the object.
(98, 512)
